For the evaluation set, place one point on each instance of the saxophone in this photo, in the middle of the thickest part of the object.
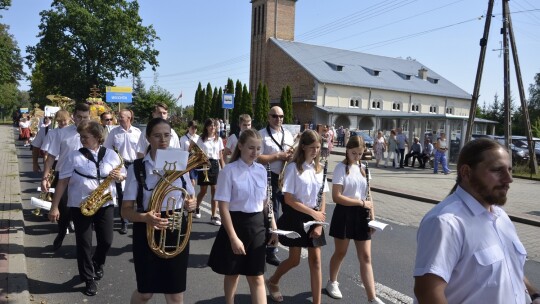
(97, 198)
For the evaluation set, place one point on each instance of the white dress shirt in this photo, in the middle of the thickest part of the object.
(185, 141)
(211, 147)
(305, 186)
(270, 147)
(124, 141)
(80, 187)
(40, 137)
(478, 253)
(354, 184)
(142, 143)
(130, 191)
(62, 143)
(231, 142)
(243, 186)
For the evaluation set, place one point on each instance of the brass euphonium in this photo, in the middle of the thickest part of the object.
(157, 241)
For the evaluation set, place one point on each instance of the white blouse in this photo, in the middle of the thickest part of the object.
(354, 184)
(62, 143)
(125, 142)
(185, 141)
(305, 186)
(80, 187)
(211, 147)
(243, 186)
(130, 191)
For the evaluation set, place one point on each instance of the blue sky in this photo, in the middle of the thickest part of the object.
(209, 41)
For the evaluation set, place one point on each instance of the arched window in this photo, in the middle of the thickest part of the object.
(355, 102)
(433, 109)
(396, 106)
(415, 107)
(376, 104)
(450, 110)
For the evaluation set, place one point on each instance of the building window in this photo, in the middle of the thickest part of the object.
(376, 104)
(396, 106)
(432, 109)
(355, 102)
(415, 108)
(449, 110)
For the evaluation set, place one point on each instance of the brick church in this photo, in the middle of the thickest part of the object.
(351, 89)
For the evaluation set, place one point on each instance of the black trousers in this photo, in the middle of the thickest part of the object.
(415, 156)
(120, 194)
(102, 222)
(63, 222)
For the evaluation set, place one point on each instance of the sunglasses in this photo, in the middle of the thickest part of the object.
(274, 116)
(108, 119)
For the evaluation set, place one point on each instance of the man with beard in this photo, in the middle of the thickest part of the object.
(468, 249)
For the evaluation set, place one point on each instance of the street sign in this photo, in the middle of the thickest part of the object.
(119, 94)
(228, 101)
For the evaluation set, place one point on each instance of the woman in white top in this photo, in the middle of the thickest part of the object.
(302, 182)
(82, 173)
(440, 154)
(24, 131)
(153, 273)
(212, 146)
(350, 218)
(240, 247)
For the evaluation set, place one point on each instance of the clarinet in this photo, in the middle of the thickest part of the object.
(321, 191)
(368, 194)
(269, 204)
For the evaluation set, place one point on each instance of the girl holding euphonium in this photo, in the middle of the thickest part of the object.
(239, 247)
(302, 182)
(155, 274)
(353, 211)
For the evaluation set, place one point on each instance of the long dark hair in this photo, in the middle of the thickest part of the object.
(205, 135)
(152, 124)
(307, 138)
(244, 137)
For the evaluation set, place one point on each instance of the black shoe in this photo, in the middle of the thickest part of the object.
(91, 288)
(57, 243)
(272, 259)
(123, 229)
(98, 271)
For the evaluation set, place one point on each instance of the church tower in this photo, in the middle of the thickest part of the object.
(269, 18)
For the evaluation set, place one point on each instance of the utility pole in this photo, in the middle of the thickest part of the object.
(508, 37)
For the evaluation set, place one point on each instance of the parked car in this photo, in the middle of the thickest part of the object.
(521, 142)
(368, 140)
(520, 156)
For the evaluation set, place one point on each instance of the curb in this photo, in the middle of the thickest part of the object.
(16, 280)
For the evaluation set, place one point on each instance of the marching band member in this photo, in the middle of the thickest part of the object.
(244, 122)
(58, 146)
(83, 171)
(212, 146)
(38, 142)
(276, 144)
(302, 183)
(153, 273)
(239, 247)
(185, 143)
(161, 110)
(124, 139)
(350, 219)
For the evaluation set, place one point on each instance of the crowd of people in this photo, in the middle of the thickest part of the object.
(272, 181)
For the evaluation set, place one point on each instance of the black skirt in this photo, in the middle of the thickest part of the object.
(212, 174)
(293, 220)
(350, 222)
(155, 274)
(250, 229)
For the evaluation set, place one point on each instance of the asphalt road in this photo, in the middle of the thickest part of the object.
(53, 276)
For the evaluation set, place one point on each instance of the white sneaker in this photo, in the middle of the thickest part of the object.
(67, 231)
(332, 288)
(376, 300)
(216, 220)
(197, 214)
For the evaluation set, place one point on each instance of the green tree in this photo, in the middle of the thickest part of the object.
(288, 110)
(237, 110)
(8, 98)
(247, 105)
(198, 103)
(144, 102)
(283, 103)
(11, 63)
(259, 115)
(4, 4)
(208, 103)
(85, 43)
(534, 98)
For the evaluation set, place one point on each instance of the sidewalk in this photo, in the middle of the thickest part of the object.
(411, 183)
(13, 280)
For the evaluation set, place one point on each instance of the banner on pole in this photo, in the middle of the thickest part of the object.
(228, 101)
(119, 94)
